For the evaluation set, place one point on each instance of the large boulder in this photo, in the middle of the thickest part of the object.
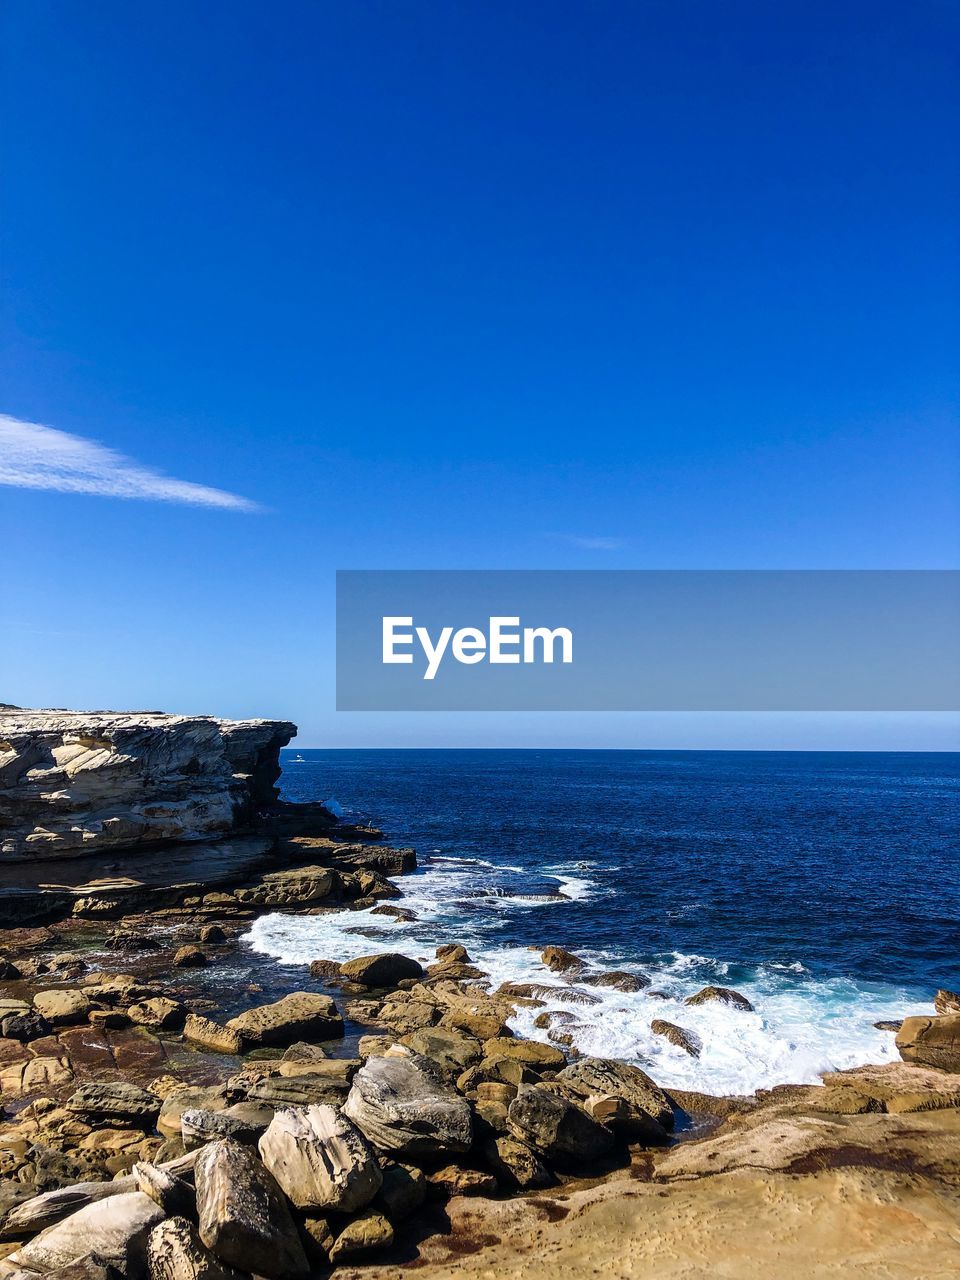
(320, 1160)
(723, 995)
(211, 1035)
(619, 1079)
(452, 1050)
(931, 1042)
(116, 1229)
(381, 970)
(302, 1015)
(686, 1040)
(403, 1104)
(176, 1252)
(899, 1087)
(563, 1131)
(244, 1218)
(516, 1164)
(115, 1100)
(561, 961)
(62, 1008)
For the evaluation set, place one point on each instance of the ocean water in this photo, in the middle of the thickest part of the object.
(824, 887)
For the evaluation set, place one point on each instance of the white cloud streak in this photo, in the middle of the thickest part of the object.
(37, 457)
(591, 543)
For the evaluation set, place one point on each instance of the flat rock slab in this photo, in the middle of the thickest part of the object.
(900, 1086)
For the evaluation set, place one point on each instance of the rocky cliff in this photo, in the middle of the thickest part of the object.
(75, 782)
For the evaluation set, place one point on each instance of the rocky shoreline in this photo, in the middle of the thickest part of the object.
(174, 1107)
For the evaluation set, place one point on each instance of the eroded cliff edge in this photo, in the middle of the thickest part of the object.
(76, 782)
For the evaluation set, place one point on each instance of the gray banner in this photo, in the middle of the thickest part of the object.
(639, 640)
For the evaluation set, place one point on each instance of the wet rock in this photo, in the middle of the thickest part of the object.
(211, 1035)
(158, 1014)
(726, 995)
(558, 1128)
(931, 1042)
(453, 953)
(19, 1022)
(620, 1080)
(516, 1164)
(303, 1052)
(619, 979)
(116, 1229)
(325, 969)
(105, 1101)
(561, 961)
(190, 957)
(212, 933)
(452, 1050)
(889, 1024)
(302, 1015)
(320, 1160)
(403, 1104)
(244, 1219)
(62, 1008)
(381, 970)
(370, 1232)
(688, 1041)
(176, 1252)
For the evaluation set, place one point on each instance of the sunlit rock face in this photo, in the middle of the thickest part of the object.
(74, 782)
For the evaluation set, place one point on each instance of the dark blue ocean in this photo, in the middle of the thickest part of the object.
(824, 886)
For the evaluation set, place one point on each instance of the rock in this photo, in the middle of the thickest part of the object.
(500, 1070)
(298, 1016)
(452, 953)
(374, 1046)
(212, 933)
(79, 782)
(303, 1052)
(304, 1090)
(190, 957)
(176, 1252)
(244, 1219)
(619, 979)
(454, 1180)
(19, 1022)
(620, 1080)
(724, 994)
(889, 1024)
(320, 1160)
(116, 1229)
(158, 1014)
(555, 1126)
(108, 1019)
(211, 1035)
(931, 1042)
(406, 1015)
(381, 970)
(8, 970)
(62, 1008)
(184, 1098)
(366, 1234)
(560, 1025)
(164, 1188)
(515, 1164)
(452, 1051)
(900, 1086)
(19, 1079)
(483, 1025)
(946, 1001)
(325, 969)
(105, 1101)
(561, 961)
(403, 1104)
(198, 1127)
(403, 1191)
(318, 1236)
(688, 1041)
(543, 1057)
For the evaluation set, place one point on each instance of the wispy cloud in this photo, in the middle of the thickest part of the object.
(37, 457)
(591, 542)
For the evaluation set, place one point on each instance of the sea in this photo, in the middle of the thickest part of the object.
(825, 887)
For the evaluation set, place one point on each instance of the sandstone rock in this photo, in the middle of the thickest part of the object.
(318, 1236)
(244, 1219)
(946, 1001)
(560, 1129)
(686, 1040)
(619, 979)
(325, 969)
(900, 1086)
(619, 1079)
(366, 1234)
(403, 1104)
(452, 953)
(198, 1127)
(500, 1070)
(62, 1008)
(320, 1160)
(211, 1035)
(561, 961)
(190, 957)
(726, 995)
(19, 1079)
(176, 1252)
(304, 1090)
(303, 1052)
(406, 1015)
(889, 1024)
(515, 1164)
(531, 1053)
(19, 1022)
(164, 1188)
(381, 970)
(184, 1098)
(483, 1025)
(105, 1101)
(116, 1229)
(931, 1042)
(374, 1046)
(298, 1016)
(454, 1180)
(452, 1051)
(157, 1014)
(212, 933)
(403, 1191)
(76, 782)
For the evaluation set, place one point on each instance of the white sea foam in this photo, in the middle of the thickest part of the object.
(800, 1026)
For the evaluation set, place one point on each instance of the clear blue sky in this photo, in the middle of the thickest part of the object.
(631, 284)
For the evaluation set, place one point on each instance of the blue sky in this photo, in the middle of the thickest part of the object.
(463, 285)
